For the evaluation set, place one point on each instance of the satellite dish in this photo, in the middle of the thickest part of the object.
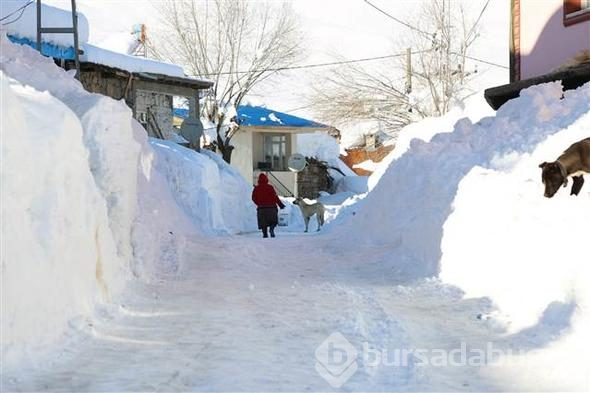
(297, 162)
(192, 130)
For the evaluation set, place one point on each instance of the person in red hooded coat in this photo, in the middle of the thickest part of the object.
(266, 199)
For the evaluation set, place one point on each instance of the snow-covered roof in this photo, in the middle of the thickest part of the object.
(96, 55)
(258, 116)
(25, 25)
(24, 32)
(263, 117)
(151, 69)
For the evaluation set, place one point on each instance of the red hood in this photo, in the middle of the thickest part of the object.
(262, 179)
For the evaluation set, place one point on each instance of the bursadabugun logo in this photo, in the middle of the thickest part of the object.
(336, 360)
(337, 357)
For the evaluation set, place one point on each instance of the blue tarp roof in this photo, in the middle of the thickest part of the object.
(181, 112)
(260, 117)
(51, 50)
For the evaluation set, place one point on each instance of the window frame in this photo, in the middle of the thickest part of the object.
(573, 13)
(283, 150)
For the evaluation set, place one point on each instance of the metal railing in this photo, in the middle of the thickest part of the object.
(276, 179)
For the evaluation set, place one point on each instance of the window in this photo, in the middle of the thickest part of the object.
(275, 151)
(575, 11)
(142, 119)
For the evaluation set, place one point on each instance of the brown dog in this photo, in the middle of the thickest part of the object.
(573, 162)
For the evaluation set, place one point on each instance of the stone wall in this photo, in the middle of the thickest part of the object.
(107, 84)
(148, 103)
(313, 179)
(142, 102)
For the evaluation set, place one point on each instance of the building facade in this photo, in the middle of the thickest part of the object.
(549, 41)
(546, 34)
(265, 141)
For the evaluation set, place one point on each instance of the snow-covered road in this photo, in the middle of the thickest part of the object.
(253, 323)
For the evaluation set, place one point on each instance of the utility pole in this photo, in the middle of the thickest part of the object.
(408, 70)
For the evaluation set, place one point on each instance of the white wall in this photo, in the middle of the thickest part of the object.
(242, 155)
(247, 151)
(545, 43)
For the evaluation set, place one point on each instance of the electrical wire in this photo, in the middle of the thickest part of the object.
(22, 11)
(483, 10)
(430, 35)
(409, 26)
(305, 66)
(482, 61)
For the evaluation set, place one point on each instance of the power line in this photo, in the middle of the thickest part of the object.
(482, 61)
(22, 11)
(409, 26)
(306, 66)
(430, 35)
(483, 10)
(315, 65)
(299, 108)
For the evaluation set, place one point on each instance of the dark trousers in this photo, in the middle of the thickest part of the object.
(268, 218)
(270, 229)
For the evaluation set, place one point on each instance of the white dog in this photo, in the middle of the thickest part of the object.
(309, 210)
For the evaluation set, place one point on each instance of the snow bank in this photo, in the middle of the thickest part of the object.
(58, 253)
(354, 184)
(114, 153)
(25, 26)
(521, 245)
(319, 145)
(72, 161)
(408, 207)
(72, 228)
(474, 109)
(528, 253)
(212, 193)
(367, 165)
(504, 240)
(161, 229)
(469, 205)
(89, 203)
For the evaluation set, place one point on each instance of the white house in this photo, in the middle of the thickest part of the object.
(265, 141)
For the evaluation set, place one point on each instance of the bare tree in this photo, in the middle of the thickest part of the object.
(354, 93)
(446, 36)
(424, 82)
(237, 44)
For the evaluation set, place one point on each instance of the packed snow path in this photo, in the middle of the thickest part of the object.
(248, 313)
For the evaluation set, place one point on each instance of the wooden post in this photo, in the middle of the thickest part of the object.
(193, 107)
